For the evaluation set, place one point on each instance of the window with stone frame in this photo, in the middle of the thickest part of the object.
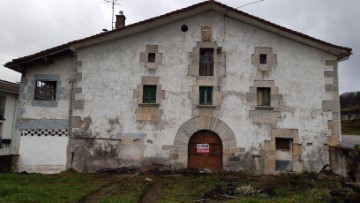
(206, 95)
(45, 90)
(263, 58)
(284, 144)
(149, 94)
(206, 63)
(151, 57)
(263, 96)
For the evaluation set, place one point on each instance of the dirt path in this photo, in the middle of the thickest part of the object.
(107, 189)
(152, 194)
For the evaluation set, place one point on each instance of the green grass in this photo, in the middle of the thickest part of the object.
(350, 128)
(354, 109)
(65, 187)
(126, 190)
(109, 188)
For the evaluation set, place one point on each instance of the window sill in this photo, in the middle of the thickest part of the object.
(149, 104)
(205, 106)
(44, 103)
(264, 108)
(205, 76)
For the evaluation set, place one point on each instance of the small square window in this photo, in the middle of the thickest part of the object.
(149, 94)
(151, 57)
(283, 144)
(45, 90)
(206, 63)
(206, 95)
(263, 96)
(263, 58)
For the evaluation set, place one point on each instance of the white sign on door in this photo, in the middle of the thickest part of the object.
(202, 148)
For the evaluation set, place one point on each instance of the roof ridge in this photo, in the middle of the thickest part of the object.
(66, 46)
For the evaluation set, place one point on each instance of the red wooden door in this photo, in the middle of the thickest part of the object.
(199, 159)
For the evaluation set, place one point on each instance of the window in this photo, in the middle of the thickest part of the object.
(151, 57)
(283, 144)
(206, 64)
(263, 58)
(149, 94)
(184, 28)
(206, 95)
(45, 90)
(263, 96)
(2, 109)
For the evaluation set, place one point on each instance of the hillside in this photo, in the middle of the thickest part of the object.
(350, 105)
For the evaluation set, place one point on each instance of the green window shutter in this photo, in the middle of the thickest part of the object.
(149, 94)
(206, 94)
(263, 96)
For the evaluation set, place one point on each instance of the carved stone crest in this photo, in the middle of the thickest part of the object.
(206, 33)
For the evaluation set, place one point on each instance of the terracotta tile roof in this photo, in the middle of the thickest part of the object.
(66, 47)
(9, 87)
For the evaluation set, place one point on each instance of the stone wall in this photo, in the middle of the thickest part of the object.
(41, 130)
(108, 119)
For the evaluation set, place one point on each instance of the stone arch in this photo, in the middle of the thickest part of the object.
(179, 151)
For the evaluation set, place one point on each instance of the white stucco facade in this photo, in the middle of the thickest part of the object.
(106, 119)
(8, 104)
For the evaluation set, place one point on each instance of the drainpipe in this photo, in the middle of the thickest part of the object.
(70, 106)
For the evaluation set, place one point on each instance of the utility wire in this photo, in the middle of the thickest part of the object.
(250, 4)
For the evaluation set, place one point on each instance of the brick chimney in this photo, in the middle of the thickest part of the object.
(120, 20)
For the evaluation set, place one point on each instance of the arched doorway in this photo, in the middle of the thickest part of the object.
(205, 150)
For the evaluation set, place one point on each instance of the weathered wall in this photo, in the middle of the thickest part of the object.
(345, 162)
(45, 154)
(112, 73)
(41, 128)
(6, 126)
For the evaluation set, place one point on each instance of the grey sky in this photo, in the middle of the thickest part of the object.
(29, 26)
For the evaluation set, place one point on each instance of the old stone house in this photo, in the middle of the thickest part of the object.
(206, 86)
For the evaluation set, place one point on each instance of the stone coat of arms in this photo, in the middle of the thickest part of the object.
(206, 33)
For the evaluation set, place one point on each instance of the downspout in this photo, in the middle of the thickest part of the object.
(70, 106)
(72, 94)
(13, 125)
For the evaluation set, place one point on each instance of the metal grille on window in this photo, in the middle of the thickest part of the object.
(206, 95)
(149, 94)
(283, 143)
(45, 90)
(206, 64)
(263, 96)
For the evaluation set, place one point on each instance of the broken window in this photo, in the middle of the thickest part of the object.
(45, 90)
(206, 64)
(263, 58)
(149, 94)
(206, 95)
(151, 57)
(284, 154)
(283, 143)
(263, 96)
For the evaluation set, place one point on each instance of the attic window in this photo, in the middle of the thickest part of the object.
(151, 57)
(263, 58)
(45, 90)
(184, 28)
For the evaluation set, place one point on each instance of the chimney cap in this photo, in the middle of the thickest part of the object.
(121, 13)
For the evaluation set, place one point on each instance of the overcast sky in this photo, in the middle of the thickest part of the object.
(29, 26)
